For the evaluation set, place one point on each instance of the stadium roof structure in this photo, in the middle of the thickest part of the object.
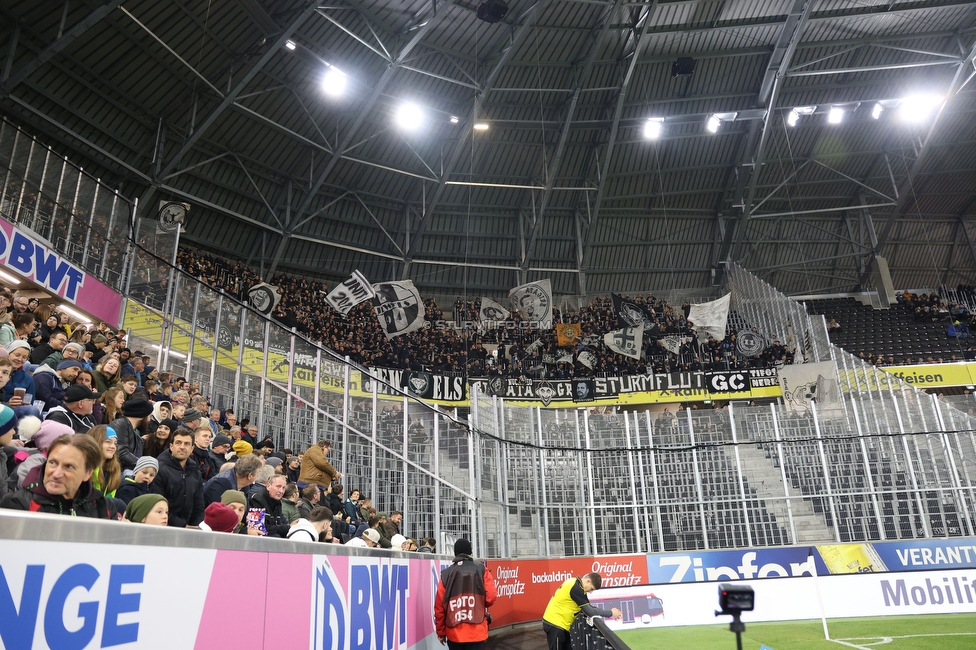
(220, 103)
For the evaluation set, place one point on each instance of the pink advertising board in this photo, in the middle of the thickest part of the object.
(24, 254)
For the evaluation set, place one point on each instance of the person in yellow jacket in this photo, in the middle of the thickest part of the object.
(570, 598)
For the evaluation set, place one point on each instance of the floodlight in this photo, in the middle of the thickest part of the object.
(334, 83)
(916, 108)
(409, 116)
(481, 126)
(877, 110)
(653, 127)
(454, 119)
(713, 123)
(290, 45)
(6, 277)
(793, 117)
(835, 115)
(71, 312)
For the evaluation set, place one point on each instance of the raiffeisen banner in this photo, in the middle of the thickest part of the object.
(38, 262)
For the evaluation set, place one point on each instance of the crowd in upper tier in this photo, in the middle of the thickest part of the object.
(444, 347)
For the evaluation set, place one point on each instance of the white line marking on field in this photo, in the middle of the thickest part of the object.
(883, 640)
(849, 645)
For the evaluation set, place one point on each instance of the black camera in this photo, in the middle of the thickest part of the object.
(733, 598)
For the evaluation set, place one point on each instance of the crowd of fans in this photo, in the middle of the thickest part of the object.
(147, 448)
(459, 345)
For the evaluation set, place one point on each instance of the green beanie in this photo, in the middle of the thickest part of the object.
(139, 508)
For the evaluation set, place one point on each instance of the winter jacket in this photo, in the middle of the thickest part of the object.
(33, 496)
(471, 582)
(8, 333)
(207, 463)
(183, 488)
(48, 387)
(80, 423)
(217, 484)
(274, 518)
(40, 353)
(129, 490)
(316, 468)
(19, 379)
(129, 445)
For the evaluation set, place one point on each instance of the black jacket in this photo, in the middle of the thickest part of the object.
(33, 496)
(274, 520)
(207, 463)
(80, 423)
(130, 446)
(217, 484)
(182, 487)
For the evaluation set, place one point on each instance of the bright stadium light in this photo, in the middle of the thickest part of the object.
(835, 115)
(916, 108)
(877, 110)
(653, 127)
(793, 117)
(713, 123)
(481, 126)
(409, 116)
(290, 45)
(334, 83)
(455, 119)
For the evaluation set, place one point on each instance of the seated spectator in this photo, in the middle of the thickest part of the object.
(162, 410)
(50, 384)
(398, 542)
(107, 373)
(110, 404)
(242, 449)
(55, 343)
(18, 327)
(77, 410)
(369, 539)
(180, 482)
(62, 485)
(209, 466)
(18, 393)
(236, 500)
(310, 497)
(219, 518)
(138, 484)
(152, 509)
(317, 526)
(957, 330)
(130, 428)
(237, 478)
(289, 503)
(71, 352)
(428, 545)
(267, 500)
(107, 477)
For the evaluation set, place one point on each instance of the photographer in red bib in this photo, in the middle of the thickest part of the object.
(571, 598)
(465, 592)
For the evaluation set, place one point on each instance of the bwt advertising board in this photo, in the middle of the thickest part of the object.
(28, 257)
(61, 595)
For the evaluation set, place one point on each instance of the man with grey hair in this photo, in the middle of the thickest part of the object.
(240, 477)
(267, 498)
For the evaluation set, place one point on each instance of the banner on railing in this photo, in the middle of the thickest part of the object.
(37, 261)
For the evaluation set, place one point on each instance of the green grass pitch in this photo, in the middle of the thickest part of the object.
(932, 632)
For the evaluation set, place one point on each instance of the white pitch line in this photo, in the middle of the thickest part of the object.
(849, 645)
(909, 636)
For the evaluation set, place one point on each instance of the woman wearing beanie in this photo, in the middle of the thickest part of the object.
(19, 391)
(107, 477)
(219, 518)
(152, 509)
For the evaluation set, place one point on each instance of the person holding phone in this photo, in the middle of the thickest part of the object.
(19, 391)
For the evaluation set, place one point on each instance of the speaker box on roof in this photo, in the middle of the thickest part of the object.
(492, 11)
(683, 67)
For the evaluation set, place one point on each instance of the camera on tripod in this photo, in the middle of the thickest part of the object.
(733, 598)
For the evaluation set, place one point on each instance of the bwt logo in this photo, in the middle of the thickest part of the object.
(34, 261)
(18, 621)
(376, 616)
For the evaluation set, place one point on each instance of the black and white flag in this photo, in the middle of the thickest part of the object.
(709, 318)
(587, 358)
(349, 293)
(749, 343)
(534, 300)
(492, 312)
(630, 313)
(398, 307)
(264, 297)
(566, 358)
(626, 341)
(584, 390)
(671, 343)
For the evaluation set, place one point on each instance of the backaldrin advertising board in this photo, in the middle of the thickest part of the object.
(27, 256)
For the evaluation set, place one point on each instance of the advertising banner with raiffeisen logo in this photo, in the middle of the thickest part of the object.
(28, 256)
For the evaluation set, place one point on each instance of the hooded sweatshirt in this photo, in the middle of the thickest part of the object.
(49, 387)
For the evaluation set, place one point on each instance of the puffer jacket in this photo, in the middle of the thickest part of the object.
(183, 488)
(49, 388)
(33, 496)
(130, 443)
